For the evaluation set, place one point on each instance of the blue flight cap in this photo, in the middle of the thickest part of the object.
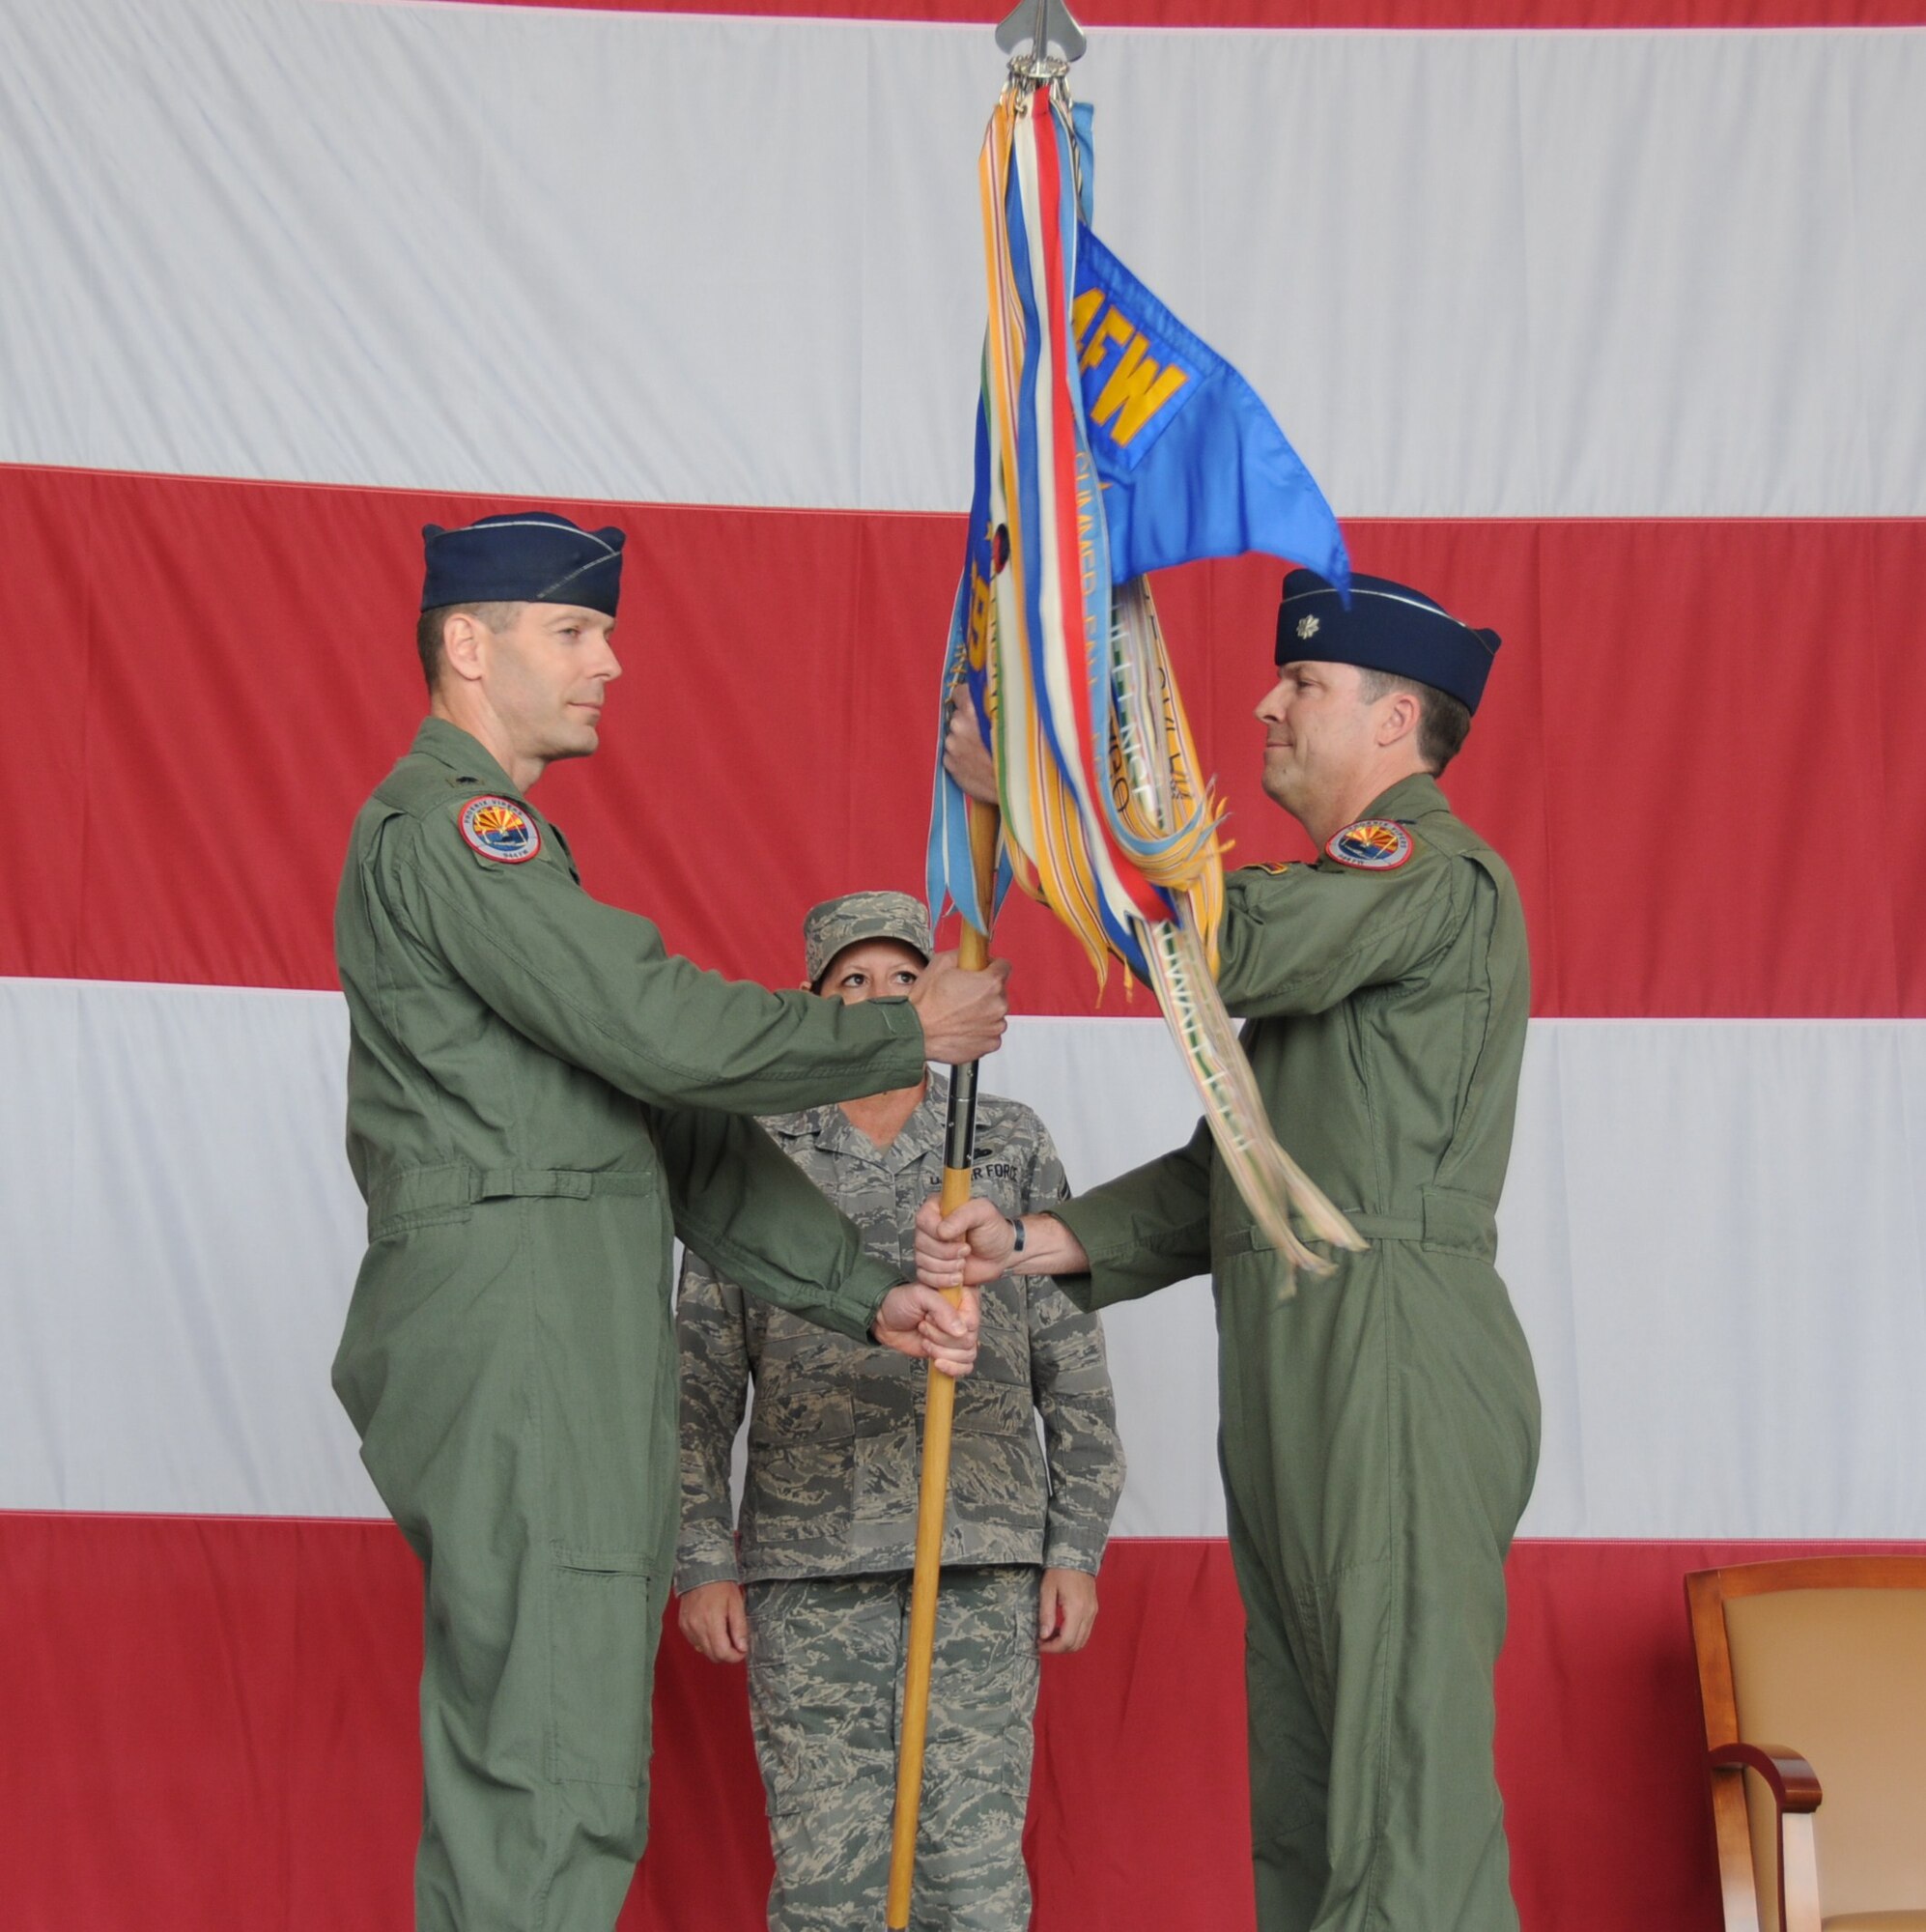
(1390, 627)
(526, 557)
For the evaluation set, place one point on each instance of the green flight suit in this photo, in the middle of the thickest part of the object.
(1379, 1430)
(539, 1099)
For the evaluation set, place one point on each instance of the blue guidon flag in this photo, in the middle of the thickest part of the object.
(1191, 463)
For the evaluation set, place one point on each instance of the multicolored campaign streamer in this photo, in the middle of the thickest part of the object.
(1111, 441)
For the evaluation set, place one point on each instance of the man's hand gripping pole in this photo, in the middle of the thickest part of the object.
(959, 1143)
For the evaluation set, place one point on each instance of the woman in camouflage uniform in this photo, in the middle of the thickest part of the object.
(816, 1599)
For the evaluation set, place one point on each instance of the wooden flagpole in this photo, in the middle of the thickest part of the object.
(940, 1407)
(1026, 36)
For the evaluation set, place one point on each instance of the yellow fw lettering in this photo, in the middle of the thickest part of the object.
(1138, 388)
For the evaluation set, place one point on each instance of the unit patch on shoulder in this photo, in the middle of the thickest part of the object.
(1372, 845)
(498, 829)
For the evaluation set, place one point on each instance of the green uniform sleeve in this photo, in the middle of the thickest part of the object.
(595, 985)
(1144, 1230)
(712, 1350)
(1070, 1381)
(756, 1217)
(1299, 939)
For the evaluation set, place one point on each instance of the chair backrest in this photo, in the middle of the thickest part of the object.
(1827, 1657)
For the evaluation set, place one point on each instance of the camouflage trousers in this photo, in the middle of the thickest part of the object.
(826, 1690)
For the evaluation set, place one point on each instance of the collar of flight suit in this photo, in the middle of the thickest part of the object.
(1417, 796)
(831, 1129)
(464, 755)
(1412, 799)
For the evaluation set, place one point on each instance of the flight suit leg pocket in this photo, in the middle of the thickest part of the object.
(604, 1621)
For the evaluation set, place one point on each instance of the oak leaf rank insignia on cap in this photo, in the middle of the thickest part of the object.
(1372, 845)
(1385, 626)
(498, 829)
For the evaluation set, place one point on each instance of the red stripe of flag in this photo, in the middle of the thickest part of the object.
(257, 1681)
(1695, 749)
(1399, 15)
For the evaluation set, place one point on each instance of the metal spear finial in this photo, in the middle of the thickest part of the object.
(1028, 34)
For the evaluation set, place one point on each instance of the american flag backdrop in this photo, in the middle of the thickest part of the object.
(1600, 319)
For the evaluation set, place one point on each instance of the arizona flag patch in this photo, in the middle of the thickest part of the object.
(498, 829)
(1372, 845)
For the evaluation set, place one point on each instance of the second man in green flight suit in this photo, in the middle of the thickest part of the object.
(539, 1097)
(1379, 1427)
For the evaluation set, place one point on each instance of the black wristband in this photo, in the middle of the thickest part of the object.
(1017, 1226)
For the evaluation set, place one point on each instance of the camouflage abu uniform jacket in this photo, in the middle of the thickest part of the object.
(831, 1488)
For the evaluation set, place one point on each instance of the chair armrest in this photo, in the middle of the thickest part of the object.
(1793, 1782)
(1795, 1794)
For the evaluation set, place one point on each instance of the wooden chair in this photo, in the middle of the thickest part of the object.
(1813, 1678)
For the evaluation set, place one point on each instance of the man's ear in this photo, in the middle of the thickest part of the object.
(1399, 720)
(462, 648)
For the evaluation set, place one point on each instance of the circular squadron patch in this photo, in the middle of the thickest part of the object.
(1371, 845)
(498, 829)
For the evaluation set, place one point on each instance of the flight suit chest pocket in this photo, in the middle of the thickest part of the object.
(604, 1620)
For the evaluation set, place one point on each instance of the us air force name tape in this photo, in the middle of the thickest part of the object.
(526, 557)
(1390, 627)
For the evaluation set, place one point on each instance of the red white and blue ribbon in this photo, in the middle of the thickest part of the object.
(1093, 392)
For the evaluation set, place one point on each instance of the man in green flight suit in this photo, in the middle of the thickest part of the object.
(540, 1098)
(1379, 1427)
